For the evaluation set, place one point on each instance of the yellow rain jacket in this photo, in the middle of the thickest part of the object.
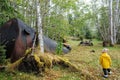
(105, 60)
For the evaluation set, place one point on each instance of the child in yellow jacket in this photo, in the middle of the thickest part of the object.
(105, 62)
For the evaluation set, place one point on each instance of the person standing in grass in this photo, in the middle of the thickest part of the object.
(105, 62)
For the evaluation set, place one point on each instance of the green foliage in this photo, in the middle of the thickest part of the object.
(79, 20)
(2, 55)
(98, 35)
(81, 37)
(59, 48)
(5, 76)
(104, 18)
(66, 5)
(58, 27)
(88, 34)
(103, 24)
(7, 11)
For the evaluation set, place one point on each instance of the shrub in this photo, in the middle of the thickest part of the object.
(59, 48)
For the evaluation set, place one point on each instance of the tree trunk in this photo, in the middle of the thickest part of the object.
(39, 25)
(116, 21)
(111, 23)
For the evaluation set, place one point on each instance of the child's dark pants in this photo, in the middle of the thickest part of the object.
(106, 71)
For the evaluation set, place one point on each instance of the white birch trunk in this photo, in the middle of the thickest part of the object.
(39, 25)
(111, 22)
(116, 23)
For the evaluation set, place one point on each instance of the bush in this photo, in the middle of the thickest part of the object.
(81, 37)
(59, 48)
(88, 34)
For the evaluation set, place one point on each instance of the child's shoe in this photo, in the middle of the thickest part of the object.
(105, 76)
(109, 72)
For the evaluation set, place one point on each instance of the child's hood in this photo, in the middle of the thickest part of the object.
(104, 55)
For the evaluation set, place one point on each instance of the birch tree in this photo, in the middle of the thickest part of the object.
(39, 25)
(100, 18)
(111, 22)
(116, 21)
(107, 20)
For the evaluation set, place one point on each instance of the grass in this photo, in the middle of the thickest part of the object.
(88, 61)
(81, 56)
